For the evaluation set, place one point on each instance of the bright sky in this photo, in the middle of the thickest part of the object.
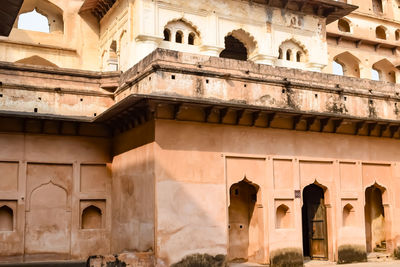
(337, 68)
(33, 21)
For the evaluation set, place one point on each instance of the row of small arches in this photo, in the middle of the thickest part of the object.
(381, 32)
(288, 55)
(91, 218)
(179, 37)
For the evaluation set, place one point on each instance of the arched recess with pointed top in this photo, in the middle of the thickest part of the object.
(375, 223)
(6, 219)
(47, 9)
(387, 71)
(348, 215)
(381, 32)
(239, 44)
(349, 63)
(283, 217)
(245, 221)
(92, 218)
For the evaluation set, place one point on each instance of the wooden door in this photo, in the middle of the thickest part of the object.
(317, 230)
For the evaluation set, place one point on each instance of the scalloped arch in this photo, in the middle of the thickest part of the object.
(246, 38)
(292, 39)
(190, 23)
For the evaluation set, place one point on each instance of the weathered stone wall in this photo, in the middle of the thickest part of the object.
(193, 182)
(49, 182)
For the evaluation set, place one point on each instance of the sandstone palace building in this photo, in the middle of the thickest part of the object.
(158, 132)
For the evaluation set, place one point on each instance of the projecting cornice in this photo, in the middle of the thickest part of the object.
(98, 8)
(329, 9)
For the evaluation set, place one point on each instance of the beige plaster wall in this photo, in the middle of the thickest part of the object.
(47, 180)
(133, 191)
(192, 184)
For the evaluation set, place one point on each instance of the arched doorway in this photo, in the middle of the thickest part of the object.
(315, 237)
(374, 220)
(243, 222)
(234, 49)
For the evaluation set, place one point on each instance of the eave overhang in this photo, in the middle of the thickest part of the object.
(98, 8)
(329, 9)
(9, 10)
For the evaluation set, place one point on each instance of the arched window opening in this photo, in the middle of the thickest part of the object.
(380, 32)
(374, 220)
(289, 55)
(234, 49)
(280, 54)
(343, 25)
(34, 21)
(167, 35)
(113, 64)
(349, 65)
(349, 215)
(377, 6)
(92, 218)
(179, 37)
(292, 51)
(384, 70)
(283, 218)
(337, 68)
(397, 35)
(6, 219)
(299, 56)
(191, 38)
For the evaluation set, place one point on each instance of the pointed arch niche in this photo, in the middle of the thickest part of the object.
(284, 215)
(40, 15)
(245, 222)
(349, 216)
(93, 214)
(6, 218)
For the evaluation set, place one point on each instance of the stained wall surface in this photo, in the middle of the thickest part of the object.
(193, 182)
(49, 181)
(133, 191)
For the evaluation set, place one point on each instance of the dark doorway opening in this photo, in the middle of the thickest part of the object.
(234, 49)
(315, 245)
(243, 198)
(374, 220)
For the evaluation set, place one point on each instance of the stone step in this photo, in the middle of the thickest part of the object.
(245, 264)
(46, 264)
(379, 256)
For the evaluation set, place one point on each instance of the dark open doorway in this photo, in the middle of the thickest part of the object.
(315, 245)
(234, 49)
(243, 198)
(374, 220)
